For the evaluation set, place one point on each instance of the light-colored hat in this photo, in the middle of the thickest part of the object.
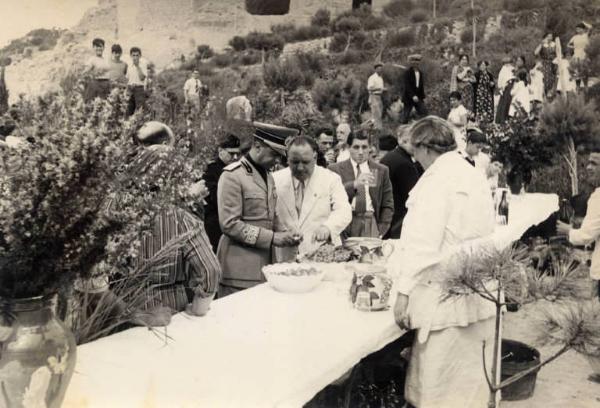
(507, 60)
(415, 58)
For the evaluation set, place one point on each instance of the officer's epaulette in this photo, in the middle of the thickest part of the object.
(232, 166)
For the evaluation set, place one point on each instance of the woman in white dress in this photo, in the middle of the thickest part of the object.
(566, 83)
(521, 98)
(458, 118)
(449, 208)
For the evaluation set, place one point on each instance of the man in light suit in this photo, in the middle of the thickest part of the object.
(369, 189)
(310, 200)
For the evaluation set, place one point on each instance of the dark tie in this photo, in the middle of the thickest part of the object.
(299, 196)
(471, 161)
(360, 206)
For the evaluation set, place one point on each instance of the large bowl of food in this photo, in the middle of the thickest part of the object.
(293, 277)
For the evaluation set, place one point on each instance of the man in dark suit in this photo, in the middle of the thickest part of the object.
(369, 189)
(414, 91)
(228, 152)
(404, 174)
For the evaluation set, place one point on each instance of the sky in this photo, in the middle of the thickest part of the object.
(21, 16)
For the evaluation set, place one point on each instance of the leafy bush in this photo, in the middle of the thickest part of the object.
(223, 60)
(518, 41)
(265, 41)
(521, 5)
(352, 57)
(344, 92)
(238, 43)
(204, 51)
(322, 18)
(466, 37)
(401, 38)
(418, 16)
(338, 42)
(347, 24)
(250, 57)
(397, 8)
(291, 73)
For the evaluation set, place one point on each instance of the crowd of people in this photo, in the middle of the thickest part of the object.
(428, 186)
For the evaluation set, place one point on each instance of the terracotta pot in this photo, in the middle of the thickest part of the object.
(37, 354)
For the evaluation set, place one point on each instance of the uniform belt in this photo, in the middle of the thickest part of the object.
(363, 214)
(101, 79)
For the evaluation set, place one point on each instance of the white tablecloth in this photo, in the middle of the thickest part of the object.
(257, 348)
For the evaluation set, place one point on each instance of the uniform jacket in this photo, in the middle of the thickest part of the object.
(381, 195)
(404, 174)
(246, 213)
(325, 203)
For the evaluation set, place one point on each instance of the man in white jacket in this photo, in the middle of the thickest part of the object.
(310, 199)
(590, 227)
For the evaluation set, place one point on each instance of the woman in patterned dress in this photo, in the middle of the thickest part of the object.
(547, 52)
(463, 80)
(484, 93)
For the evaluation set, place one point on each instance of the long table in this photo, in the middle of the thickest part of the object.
(256, 348)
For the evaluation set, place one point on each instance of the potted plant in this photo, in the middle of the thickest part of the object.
(495, 275)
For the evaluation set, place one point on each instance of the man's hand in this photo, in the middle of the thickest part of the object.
(157, 317)
(415, 99)
(400, 311)
(321, 234)
(364, 179)
(285, 239)
(562, 228)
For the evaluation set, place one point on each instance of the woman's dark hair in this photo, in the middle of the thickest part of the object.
(547, 33)
(97, 42)
(487, 63)
(522, 58)
(463, 56)
(456, 95)
(522, 75)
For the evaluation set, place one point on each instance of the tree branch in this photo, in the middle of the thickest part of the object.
(487, 378)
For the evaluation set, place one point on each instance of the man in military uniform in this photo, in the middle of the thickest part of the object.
(228, 152)
(246, 203)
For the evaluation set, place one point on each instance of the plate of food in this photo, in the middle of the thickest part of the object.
(293, 277)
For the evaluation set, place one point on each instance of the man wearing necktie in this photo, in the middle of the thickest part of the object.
(311, 201)
(369, 190)
(191, 90)
(476, 140)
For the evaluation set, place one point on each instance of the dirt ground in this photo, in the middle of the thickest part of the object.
(560, 384)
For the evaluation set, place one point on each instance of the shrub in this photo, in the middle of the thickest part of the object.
(223, 60)
(347, 24)
(250, 57)
(204, 51)
(466, 37)
(264, 41)
(322, 18)
(400, 39)
(418, 16)
(292, 73)
(352, 57)
(338, 42)
(522, 5)
(238, 43)
(397, 8)
(518, 41)
(311, 61)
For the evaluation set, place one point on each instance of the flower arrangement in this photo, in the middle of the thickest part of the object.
(59, 212)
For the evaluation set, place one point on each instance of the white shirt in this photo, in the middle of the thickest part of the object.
(133, 77)
(565, 80)
(239, 107)
(375, 84)
(458, 119)
(521, 97)
(99, 66)
(191, 88)
(343, 154)
(364, 168)
(537, 85)
(579, 42)
(506, 74)
(590, 232)
(450, 209)
(417, 78)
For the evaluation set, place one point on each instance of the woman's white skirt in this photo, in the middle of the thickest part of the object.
(446, 371)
